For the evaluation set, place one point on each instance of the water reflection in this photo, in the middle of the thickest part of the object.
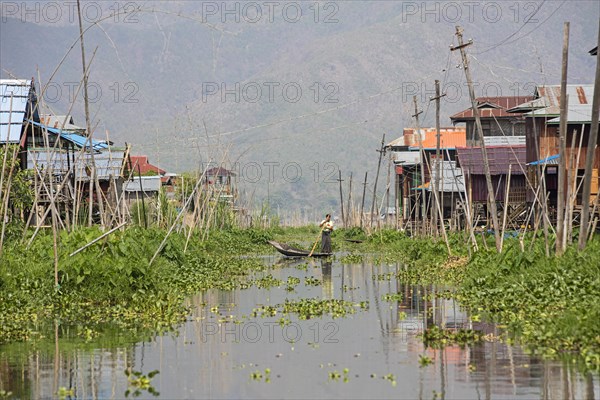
(327, 282)
(214, 354)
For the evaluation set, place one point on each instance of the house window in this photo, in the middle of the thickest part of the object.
(486, 128)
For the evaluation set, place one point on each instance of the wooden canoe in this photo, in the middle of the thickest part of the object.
(354, 240)
(290, 251)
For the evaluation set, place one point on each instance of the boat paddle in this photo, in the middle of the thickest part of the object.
(317, 241)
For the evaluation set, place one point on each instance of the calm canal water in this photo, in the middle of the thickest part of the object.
(222, 351)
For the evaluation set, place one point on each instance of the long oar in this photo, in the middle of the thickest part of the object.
(317, 241)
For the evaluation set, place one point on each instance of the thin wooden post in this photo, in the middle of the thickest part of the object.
(341, 198)
(94, 178)
(387, 192)
(362, 204)
(505, 206)
(560, 223)
(349, 209)
(590, 155)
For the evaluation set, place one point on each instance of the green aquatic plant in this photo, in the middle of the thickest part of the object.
(5, 394)
(391, 378)
(63, 393)
(336, 376)
(438, 338)
(548, 304)
(312, 281)
(390, 297)
(310, 308)
(258, 376)
(138, 382)
(292, 282)
(424, 361)
(267, 282)
(352, 258)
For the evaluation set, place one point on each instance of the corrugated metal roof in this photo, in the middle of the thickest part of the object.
(78, 140)
(448, 172)
(406, 157)
(450, 138)
(547, 100)
(396, 142)
(108, 163)
(471, 160)
(576, 114)
(504, 140)
(14, 95)
(57, 121)
(491, 107)
(148, 184)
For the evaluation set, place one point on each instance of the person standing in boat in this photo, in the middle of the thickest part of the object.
(327, 228)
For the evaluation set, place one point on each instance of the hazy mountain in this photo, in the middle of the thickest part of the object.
(309, 87)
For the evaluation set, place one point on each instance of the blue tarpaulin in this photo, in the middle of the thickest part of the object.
(76, 139)
(548, 160)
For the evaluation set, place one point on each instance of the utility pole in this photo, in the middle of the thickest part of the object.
(562, 165)
(387, 191)
(422, 164)
(589, 161)
(362, 205)
(436, 188)
(381, 152)
(438, 160)
(486, 165)
(341, 197)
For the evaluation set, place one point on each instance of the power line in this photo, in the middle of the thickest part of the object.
(506, 41)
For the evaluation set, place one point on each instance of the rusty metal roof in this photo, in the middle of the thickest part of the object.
(491, 107)
(547, 99)
(470, 160)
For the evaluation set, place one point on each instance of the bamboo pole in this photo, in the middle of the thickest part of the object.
(381, 152)
(590, 156)
(362, 205)
(341, 198)
(4, 193)
(350, 208)
(105, 234)
(573, 186)
(506, 197)
(560, 228)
